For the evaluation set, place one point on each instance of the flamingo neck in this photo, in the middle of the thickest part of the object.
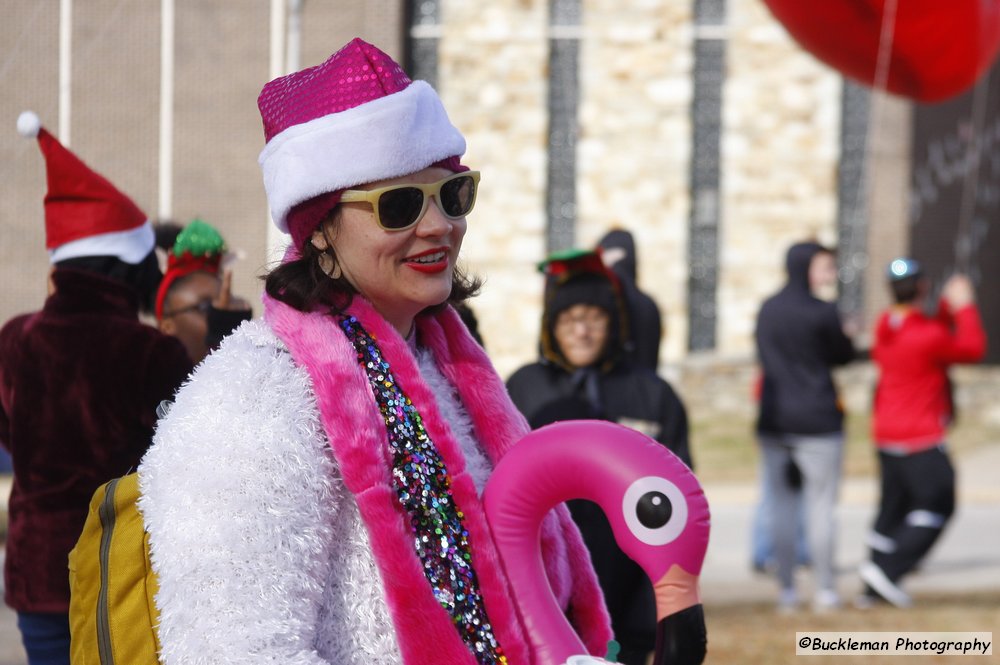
(527, 496)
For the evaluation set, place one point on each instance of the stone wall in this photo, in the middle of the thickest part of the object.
(779, 155)
(779, 148)
(632, 150)
(635, 143)
(493, 59)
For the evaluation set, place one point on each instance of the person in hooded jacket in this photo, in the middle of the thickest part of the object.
(799, 339)
(584, 373)
(645, 323)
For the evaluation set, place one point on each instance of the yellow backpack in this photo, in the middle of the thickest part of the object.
(111, 612)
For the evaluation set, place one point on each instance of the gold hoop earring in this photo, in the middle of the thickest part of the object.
(328, 264)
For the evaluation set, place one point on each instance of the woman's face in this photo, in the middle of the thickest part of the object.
(400, 272)
(581, 331)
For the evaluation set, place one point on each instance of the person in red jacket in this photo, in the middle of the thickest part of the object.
(912, 411)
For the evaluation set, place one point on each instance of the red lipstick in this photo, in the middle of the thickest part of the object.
(431, 261)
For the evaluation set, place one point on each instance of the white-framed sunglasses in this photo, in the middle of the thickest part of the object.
(400, 206)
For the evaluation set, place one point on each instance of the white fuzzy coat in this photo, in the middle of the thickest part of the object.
(260, 551)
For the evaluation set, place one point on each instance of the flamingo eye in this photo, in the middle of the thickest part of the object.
(655, 510)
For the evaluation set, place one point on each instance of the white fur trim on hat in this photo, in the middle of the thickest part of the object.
(130, 246)
(385, 138)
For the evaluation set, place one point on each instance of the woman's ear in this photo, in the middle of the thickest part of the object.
(318, 239)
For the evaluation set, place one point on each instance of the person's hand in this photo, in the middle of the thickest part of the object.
(226, 300)
(585, 660)
(851, 324)
(958, 292)
(612, 255)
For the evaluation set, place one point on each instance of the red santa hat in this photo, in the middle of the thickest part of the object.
(354, 119)
(85, 215)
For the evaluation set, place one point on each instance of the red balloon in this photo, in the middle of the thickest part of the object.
(939, 48)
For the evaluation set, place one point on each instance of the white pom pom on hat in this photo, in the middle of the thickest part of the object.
(28, 124)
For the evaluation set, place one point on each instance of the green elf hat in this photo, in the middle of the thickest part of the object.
(562, 265)
(198, 248)
(572, 261)
(578, 277)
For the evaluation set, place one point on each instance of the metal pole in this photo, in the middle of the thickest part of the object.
(276, 241)
(65, 67)
(277, 55)
(165, 208)
(293, 56)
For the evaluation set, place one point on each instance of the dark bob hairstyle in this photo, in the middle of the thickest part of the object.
(303, 285)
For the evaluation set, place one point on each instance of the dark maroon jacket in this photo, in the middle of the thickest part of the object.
(79, 385)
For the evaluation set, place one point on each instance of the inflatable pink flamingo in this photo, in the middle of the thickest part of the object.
(657, 511)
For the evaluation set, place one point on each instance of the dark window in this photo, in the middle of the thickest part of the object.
(706, 209)
(564, 95)
(423, 27)
(852, 195)
(955, 193)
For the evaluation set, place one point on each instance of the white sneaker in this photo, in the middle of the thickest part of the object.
(788, 601)
(826, 600)
(864, 602)
(873, 576)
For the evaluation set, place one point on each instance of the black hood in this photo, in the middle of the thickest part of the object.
(797, 264)
(619, 239)
(583, 288)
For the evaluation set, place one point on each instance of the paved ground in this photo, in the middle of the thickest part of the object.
(966, 559)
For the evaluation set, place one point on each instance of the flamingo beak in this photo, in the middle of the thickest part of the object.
(681, 638)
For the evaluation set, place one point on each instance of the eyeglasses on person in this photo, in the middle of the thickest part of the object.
(398, 207)
(202, 307)
(590, 321)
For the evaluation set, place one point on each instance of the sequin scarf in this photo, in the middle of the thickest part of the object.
(423, 487)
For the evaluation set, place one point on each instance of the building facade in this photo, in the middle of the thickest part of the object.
(698, 125)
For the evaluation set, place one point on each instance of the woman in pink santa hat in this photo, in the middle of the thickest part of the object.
(313, 494)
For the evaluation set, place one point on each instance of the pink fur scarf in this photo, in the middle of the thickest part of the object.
(358, 437)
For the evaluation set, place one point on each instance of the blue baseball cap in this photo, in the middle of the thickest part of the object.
(901, 268)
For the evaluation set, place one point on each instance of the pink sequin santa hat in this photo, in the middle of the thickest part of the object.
(85, 215)
(355, 119)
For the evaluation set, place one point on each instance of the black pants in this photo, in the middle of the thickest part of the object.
(918, 499)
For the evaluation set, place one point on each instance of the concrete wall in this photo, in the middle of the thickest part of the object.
(222, 62)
